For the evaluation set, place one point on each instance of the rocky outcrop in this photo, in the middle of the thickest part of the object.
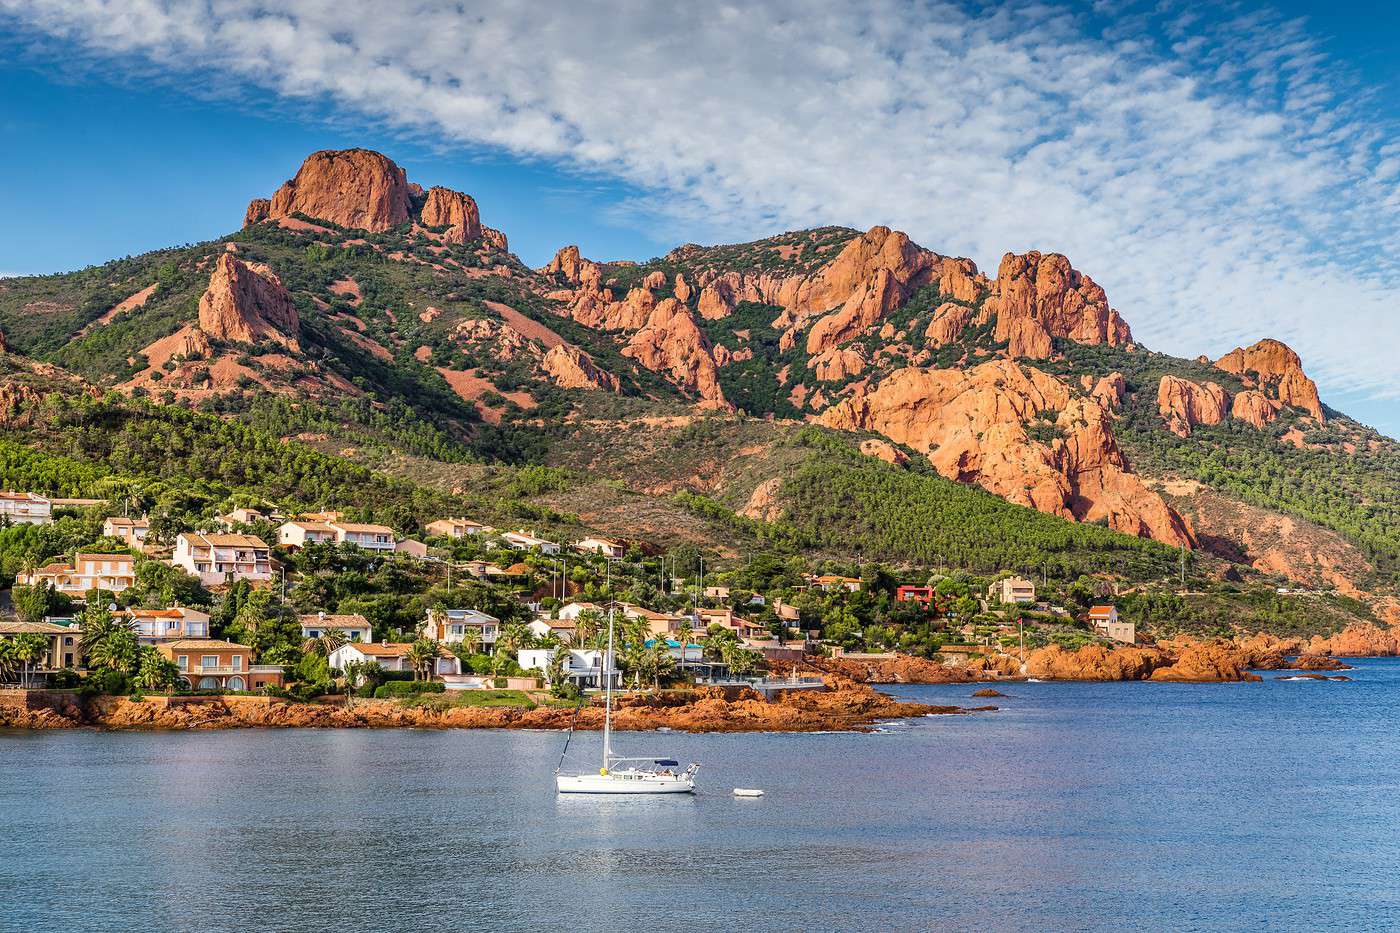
(1185, 404)
(972, 424)
(1254, 407)
(495, 239)
(247, 304)
(670, 342)
(898, 669)
(1273, 365)
(949, 321)
(764, 503)
(883, 450)
(1205, 662)
(571, 368)
(1110, 390)
(1195, 662)
(837, 364)
(569, 266)
(1062, 302)
(257, 211)
(1362, 640)
(355, 188)
(453, 210)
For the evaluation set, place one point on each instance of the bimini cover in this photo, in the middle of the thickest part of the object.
(667, 762)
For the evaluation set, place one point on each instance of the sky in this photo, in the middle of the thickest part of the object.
(1226, 171)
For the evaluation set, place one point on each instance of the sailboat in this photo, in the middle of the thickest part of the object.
(619, 775)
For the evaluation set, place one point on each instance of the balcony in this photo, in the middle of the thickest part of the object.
(218, 669)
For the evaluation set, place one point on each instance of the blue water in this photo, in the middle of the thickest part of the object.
(1076, 806)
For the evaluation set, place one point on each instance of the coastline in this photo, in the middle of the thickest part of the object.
(845, 706)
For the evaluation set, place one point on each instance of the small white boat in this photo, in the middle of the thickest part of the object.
(747, 792)
(636, 775)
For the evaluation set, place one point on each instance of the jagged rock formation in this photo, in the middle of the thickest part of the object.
(355, 188)
(837, 364)
(670, 342)
(454, 210)
(1273, 365)
(571, 368)
(1254, 407)
(1185, 404)
(257, 211)
(1109, 390)
(949, 321)
(247, 304)
(883, 450)
(1037, 296)
(972, 424)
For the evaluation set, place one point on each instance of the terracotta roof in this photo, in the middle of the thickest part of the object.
(204, 644)
(105, 557)
(23, 497)
(311, 526)
(153, 613)
(352, 620)
(133, 522)
(16, 627)
(376, 649)
(220, 540)
(1100, 610)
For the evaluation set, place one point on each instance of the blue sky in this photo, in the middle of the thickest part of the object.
(1225, 176)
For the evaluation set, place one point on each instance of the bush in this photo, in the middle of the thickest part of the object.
(407, 688)
(108, 681)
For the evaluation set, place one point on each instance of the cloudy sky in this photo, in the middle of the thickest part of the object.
(1225, 176)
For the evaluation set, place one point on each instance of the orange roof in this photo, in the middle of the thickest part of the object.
(153, 613)
(226, 540)
(351, 620)
(1101, 611)
(312, 526)
(392, 650)
(105, 557)
(203, 644)
(133, 522)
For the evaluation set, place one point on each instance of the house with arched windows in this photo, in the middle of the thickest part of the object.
(211, 664)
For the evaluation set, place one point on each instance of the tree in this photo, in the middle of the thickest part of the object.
(421, 655)
(108, 641)
(684, 632)
(155, 671)
(32, 602)
(29, 650)
(326, 644)
(556, 671)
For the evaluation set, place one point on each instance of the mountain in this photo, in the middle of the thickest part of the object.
(360, 314)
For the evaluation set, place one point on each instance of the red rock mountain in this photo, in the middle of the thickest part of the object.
(1185, 404)
(246, 304)
(1272, 365)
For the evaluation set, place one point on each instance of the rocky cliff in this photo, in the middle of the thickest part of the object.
(1274, 367)
(453, 210)
(246, 304)
(355, 188)
(1037, 296)
(1184, 404)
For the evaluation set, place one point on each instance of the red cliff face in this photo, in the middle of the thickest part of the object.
(453, 210)
(1185, 404)
(671, 343)
(1037, 296)
(571, 368)
(355, 188)
(247, 304)
(1254, 407)
(1272, 365)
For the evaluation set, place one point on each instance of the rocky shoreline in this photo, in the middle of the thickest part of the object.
(846, 706)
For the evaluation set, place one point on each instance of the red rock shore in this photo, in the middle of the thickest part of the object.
(846, 706)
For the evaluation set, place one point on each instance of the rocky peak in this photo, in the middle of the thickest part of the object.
(571, 368)
(1273, 364)
(1037, 296)
(671, 343)
(454, 210)
(247, 304)
(1185, 404)
(570, 265)
(356, 188)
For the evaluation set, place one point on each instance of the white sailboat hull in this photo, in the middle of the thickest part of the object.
(624, 783)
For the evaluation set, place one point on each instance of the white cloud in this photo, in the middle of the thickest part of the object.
(1219, 176)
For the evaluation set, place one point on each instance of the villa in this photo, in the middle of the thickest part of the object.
(301, 532)
(914, 594)
(223, 558)
(392, 656)
(521, 541)
(25, 508)
(583, 668)
(455, 528)
(111, 572)
(235, 517)
(211, 664)
(157, 625)
(601, 546)
(369, 537)
(64, 643)
(1012, 591)
(562, 629)
(1105, 621)
(828, 582)
(131, 531)
(455, 626)
(353, 626)
(572, 611)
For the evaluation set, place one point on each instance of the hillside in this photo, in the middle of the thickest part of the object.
(1009, 420)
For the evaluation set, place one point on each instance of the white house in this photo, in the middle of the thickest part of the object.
(602, 546)
(454, 626)
(223, 558)
(392, 656)
(1105, 621)
(300, 532)
(369, 537)
(572, 611)
(131, 531)
(1012, 591)
(563, 629)
(584, 667)
(528, 542)
(455, 527)
(354, 627)
(25, 508)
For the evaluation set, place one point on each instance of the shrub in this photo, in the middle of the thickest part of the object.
(407, 688)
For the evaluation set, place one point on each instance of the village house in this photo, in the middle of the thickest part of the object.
(131, 531)
(786, 611)
(562, 629)
(353, 626)
(455, 528)
(659, 623)
(412, 548)
(301, 532)
(156, 625)
(718, 593)
(455, 626)
(584, 667)
(25, 508)
(111, 572)
(1105, 621)
(572, 611)
(601, 546)
(827, 582)
(211, 664)
(235, 517)
(64, 643)
(393, 656)
(223, 558)
(369, 537)
(914, 594)
(1012, 591)
(521, 541)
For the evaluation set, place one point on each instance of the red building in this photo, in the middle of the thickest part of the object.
(914, 594)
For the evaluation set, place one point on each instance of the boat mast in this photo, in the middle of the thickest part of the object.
(607, 676)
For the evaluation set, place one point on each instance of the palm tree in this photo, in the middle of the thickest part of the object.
(30, 649)
(684, 631)
(109, 641)
(157, 672)
(9, 659)
(514, 637)
(589, 628)
(421, 655)
(326, 644)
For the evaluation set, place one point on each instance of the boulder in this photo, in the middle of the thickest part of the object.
(453, 210)
(571, 368)
(1254, 407)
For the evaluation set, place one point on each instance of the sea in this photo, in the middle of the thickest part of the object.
(1264, 806)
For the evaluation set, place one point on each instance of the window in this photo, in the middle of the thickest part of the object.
(238, 662)
(183, 661)
(208, 661)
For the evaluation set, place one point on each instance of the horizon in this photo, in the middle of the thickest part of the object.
(1260, 206)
